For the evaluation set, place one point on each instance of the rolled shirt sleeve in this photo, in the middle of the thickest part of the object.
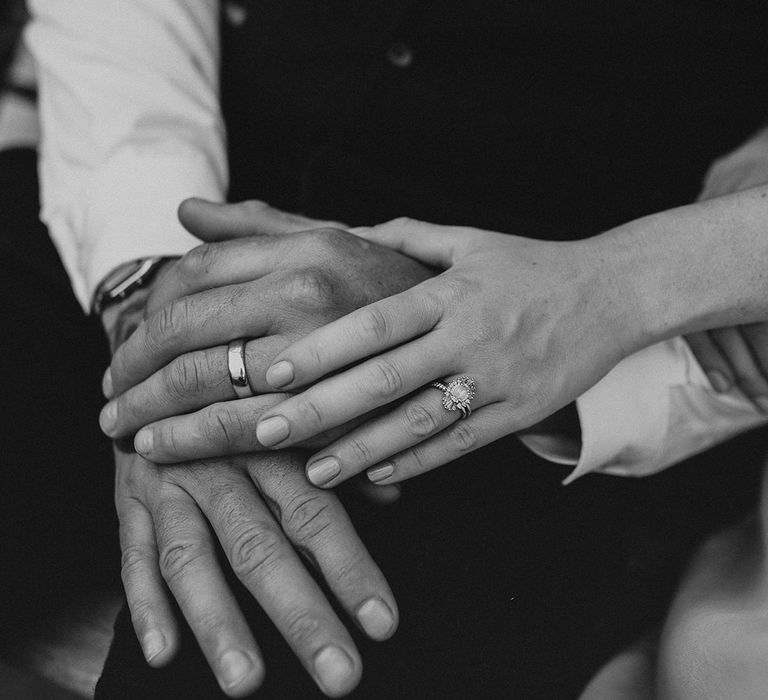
(131, 126)
(654, 409)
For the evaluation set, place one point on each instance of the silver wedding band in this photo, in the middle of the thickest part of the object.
(238, 375)
(457, 394)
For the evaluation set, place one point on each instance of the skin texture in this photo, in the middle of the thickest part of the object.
(525, 319)
(736, 356)
(262, 511)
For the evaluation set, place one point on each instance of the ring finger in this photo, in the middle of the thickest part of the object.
(412, 422)
(187, 383)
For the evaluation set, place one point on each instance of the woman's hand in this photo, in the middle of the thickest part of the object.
(533, 324)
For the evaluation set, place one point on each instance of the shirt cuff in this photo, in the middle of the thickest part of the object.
(131, 212)
(655, 408)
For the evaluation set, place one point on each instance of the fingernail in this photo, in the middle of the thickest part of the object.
(762, 401)
(323, 471)
(271, 431)
(280, 374)
(333, 668)
(144, 441)
(383, 471)
(108, 418)
(718, 381)
(376, 618)
(234, 666)
(106, 384)
(152, 644)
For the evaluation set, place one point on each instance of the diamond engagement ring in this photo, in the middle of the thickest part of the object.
(457, 394)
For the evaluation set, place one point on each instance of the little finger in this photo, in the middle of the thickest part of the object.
(487, 424)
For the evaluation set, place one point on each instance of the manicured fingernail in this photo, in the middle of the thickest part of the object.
(106, 384)
(381, 472)
(108, 418)
(152, 644)
(323, 471)
(333, 668)
(143, 441)
(376, 618)
(762, 401)
(271, 431)
(280, 374)
(718, 381)
(235, 666)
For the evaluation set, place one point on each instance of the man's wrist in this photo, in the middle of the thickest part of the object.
(121, 319)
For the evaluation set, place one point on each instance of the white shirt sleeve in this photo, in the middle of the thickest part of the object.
(131, 123)
(654, 409)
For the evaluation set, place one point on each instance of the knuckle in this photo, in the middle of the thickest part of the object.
(310, 287)
(225, 425)
(252, 206)
(171, 321)
(178, 557)
(402, 222)
(198, 261)
(306, 517)
(490, 334)
(301, 627)
(254, 551)
(386, 379)
(311, 414)
(415, 460)
(141, 612)
(464, 436)
(332, 239)
(132, 561)
(376, 325)
(421, 422)
(185, 376)
(361, 452)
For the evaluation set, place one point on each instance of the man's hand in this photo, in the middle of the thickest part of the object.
(274, 289)
(259, 509)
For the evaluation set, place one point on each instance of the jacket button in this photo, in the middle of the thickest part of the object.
(235, 13)
(400, 55)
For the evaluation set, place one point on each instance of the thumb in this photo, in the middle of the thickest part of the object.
(212, 221)
(432, 244)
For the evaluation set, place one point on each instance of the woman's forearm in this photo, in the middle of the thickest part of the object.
(695, 267)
